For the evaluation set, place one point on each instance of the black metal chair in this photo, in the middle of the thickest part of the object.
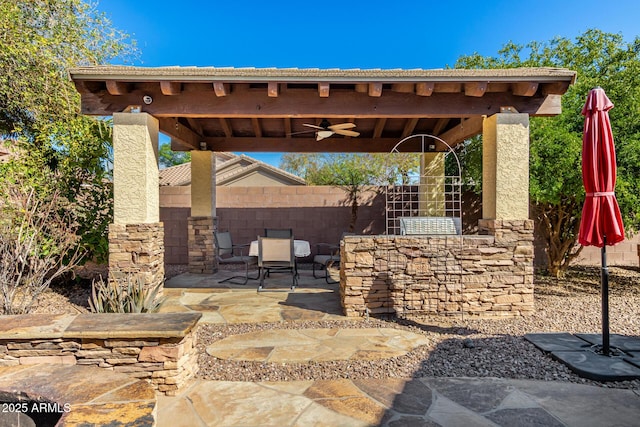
(327, 255)
(276, 255)
(230, 254)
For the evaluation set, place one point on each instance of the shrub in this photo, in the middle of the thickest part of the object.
(124, 296)
(38, 243)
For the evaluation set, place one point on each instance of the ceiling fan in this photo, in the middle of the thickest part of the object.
(326, 129)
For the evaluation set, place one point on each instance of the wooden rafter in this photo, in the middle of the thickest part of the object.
(170, 88)
(525, 88)
(226, 128)
(287, 127)
(425, 89)
(176, 130)
(257, 129)
(475, 89)
(272, 89)
(466, 129)
(440, 125)
(323, 89)
(117, 88)
(409, 126)
(375, 89)
(379, 127)
(220, 89)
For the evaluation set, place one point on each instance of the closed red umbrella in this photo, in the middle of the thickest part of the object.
(601, 222)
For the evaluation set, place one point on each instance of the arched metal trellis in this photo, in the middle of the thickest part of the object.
(429, 276)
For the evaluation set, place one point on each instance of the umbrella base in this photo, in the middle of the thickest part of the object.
(582, 353)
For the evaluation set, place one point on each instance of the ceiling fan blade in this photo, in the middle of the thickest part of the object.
(342, 126)
(313, 126)
(298, 133)
(347, 132)
(322, 134)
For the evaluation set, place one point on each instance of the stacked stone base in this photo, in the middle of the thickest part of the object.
(411, 276)
(137, 250)
(201, 245)
(168, 363)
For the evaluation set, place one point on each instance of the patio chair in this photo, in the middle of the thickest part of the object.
(276, 255)
(327, 255)
(283, 233)
(229, 254)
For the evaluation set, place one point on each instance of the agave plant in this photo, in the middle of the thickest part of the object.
(126, 295)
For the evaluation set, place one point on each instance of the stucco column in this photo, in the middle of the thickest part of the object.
(136, 238)
(202, 222)
(505, 167)
(431, 194)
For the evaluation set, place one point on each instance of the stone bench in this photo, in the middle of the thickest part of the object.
(157, 347)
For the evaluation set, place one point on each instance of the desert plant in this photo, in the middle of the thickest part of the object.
(38, 244)
(126, 295)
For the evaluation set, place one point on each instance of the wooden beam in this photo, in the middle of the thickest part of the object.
(466, 129)
(176, 130)
(375, 89)
(403, 87)
(332, 144)
(220, 89)
(409, 126)
(377, 131)
(425, 89)
(257, 129)
(308, 105)
(524, 88)
(226, 128)
(272, 89)
(447, 87)
(323, 89)
(440, 124)
(117, 88)
(475, 89)
(170, 88)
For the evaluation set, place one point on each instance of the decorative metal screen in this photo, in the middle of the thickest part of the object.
(431, 193)
(428, 278)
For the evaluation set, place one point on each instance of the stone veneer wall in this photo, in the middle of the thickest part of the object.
(167, 362)
(201, 245)
(137, 249)
(486, 274)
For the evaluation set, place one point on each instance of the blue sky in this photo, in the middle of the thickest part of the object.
(351, 34)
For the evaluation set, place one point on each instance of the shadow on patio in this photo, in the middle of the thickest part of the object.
(313, 299)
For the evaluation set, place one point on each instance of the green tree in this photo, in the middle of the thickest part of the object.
(601, 59)
(168, 158)
(39, 106)
(353, 173)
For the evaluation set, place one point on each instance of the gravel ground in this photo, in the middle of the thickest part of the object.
(471, 347)
(461, 348)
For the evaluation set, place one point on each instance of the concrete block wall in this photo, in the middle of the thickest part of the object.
(315, 213)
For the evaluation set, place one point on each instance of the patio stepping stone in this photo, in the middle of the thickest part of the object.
(304, 345)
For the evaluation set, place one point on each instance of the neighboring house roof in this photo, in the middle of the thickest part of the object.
(232, 169)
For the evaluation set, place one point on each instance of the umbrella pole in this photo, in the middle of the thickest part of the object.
(604, 280)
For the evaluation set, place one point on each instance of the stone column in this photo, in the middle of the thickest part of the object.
(431, 193)
(505, 198)
(505, 167)
(202, 222)
(136, 238)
